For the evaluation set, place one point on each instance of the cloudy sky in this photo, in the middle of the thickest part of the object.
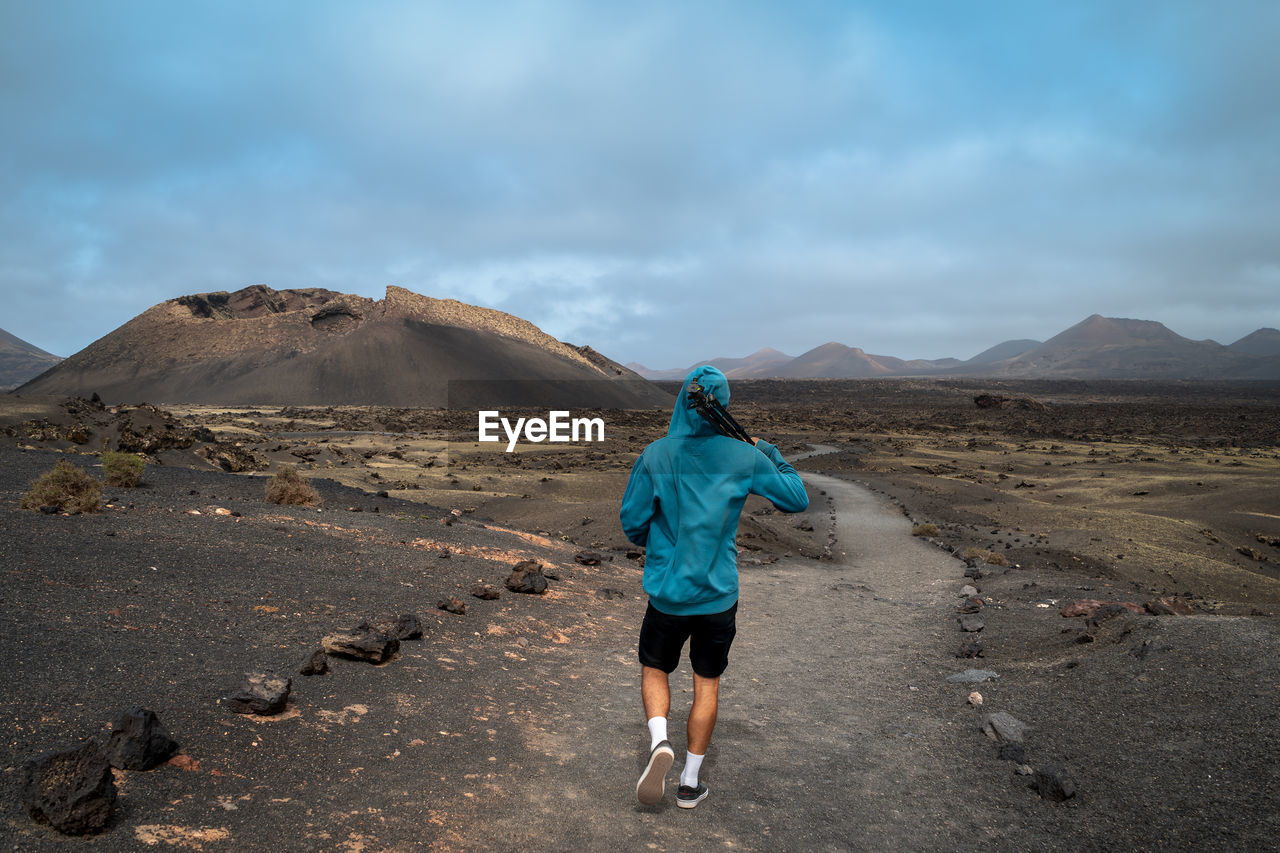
(663, 181)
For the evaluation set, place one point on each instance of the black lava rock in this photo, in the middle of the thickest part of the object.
(403, 627)
(261, 693)
(73, 791)
(361, 643)
(1054, 783)
(485, 591)
(138, 741)
(527, 577)
(452, 605)
(317, 664)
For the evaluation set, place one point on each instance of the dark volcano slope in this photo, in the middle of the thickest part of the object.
(323, 348)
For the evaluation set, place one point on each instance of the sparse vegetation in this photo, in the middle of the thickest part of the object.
(925, 529)
(122, 469)
(989, 557)
(65, 487)
(290, 487)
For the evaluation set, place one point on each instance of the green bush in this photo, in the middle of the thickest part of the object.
(122, 469)
(66, 487)
(290, 487)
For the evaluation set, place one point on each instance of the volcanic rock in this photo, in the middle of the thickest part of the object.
(73, 791)
(317, 664)
(138, 741)
(1168, 605)
(970, 605)
(588, 558)
(608, 593)
(485, 591)
(261, 693)
(403, 627)
(971, 624)
(527, 577)
(1090, 606)
(361, 643)
(970, 649)
(1004, 727)
(452, 605)
(1053, 782)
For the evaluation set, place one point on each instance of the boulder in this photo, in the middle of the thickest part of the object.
(261, 693)
(361, 643)
(73, 790)
(1003, 727)
(403, 627)
(1168, 605)
(138, 741)
(317, 664)
(1052, 782)
(527, 577)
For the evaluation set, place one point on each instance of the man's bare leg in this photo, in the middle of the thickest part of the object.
(655, 690)
(702, 716)
(702, 722)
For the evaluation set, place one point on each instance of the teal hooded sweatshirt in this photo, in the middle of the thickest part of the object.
(683, 502)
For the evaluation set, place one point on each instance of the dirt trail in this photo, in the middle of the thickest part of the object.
(828, 736)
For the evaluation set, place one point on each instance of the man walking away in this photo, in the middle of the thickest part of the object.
(683, 503)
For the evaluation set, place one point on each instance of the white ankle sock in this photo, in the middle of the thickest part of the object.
(692, 764)
(657, 731)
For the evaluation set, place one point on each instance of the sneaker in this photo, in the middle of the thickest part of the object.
(687, 798)
(653, 781)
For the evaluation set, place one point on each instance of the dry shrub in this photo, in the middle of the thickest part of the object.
(290, 487)
(925, 530)
(988, 557)
(66, 487)
(122, 469)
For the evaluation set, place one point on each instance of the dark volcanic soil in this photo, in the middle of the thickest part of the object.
(517, 726)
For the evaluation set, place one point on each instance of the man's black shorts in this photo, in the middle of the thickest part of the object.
(662, 637)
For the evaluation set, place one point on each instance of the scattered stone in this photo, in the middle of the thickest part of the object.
(551, 573)
(261, 693)
(485, 591)
(634, 555)
(73, 791)
(361, 643)
(1090, 606)
(975, 699)
(1003, 727)
(1011, 751)
(406, 626)
(588, 558)
(971, 676)
(970, 649)
(968, 591)
(970, 605)
(317, 664)
(973, 572)
(1145, 648)
(608, 593)
(1168, 605)
(527, 577)
(1251, 553)
(182, 761)
(138, 741)
(452, 605)
(522, 642)
(1053, 783)
(1024, 770)
(971, 624)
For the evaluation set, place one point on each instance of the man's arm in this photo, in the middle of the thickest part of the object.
(638, 504)
(777, 481)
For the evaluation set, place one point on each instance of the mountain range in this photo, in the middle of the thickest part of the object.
(259, 346)
(19, 361)
(1096, 348)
